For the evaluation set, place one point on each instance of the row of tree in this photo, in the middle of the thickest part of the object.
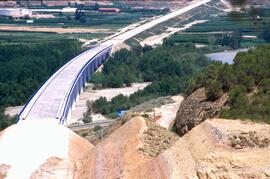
(167, 68)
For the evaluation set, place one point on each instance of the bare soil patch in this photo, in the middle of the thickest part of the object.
(156, 139)
(58, 30)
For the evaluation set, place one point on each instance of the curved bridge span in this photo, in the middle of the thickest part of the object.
(55, 98)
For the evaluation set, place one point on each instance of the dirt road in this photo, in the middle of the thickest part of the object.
(58, 30)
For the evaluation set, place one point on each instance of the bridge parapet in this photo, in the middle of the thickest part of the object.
(79, 82)
(56, 96)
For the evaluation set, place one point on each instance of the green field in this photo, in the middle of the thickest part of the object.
(219, 26)
(87, 18)
(244, 24)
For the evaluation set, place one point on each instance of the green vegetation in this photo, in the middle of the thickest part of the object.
(168, 68)
(36, 37)
(25, 65)
(5, 120)
(228, 29)
(88, 16)
(87, 118)
(230, 40)
(247, 81)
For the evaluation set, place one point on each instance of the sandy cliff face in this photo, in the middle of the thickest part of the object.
(119, 155)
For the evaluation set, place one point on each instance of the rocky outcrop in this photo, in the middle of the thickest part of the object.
(195, 109)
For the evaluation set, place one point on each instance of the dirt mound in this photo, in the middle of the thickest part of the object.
(139, 149)
(205, 153)
(118, 154)
(195, 109)
(35, 149)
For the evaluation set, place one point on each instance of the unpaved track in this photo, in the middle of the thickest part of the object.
(58, 30)
(168, 112)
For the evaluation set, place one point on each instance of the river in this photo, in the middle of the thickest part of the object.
(225, 56)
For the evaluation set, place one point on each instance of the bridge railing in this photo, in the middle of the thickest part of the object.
(29, 104)
(80, 80)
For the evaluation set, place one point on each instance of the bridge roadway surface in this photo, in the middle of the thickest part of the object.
(55, 98)
(49, 101)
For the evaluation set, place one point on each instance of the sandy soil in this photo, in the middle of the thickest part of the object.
(87, 42)
(92, 95)
(52, 29)
(41, 16)
(165, 115)
(41, 149)
(115, 159)
(204, 153)
(137, 150)
(13, 110)
(120, 46)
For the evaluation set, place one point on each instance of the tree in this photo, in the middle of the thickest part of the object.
(96, 6)
(87, 118)
(238, 2)
(100, 106)
(78, 14)
(137, 50)
(147, 48)
(214, 90)
(212, 40)
(83, 19)
(265, 85)
(168, 42)
(232, 39)
(69, 18)
(266, 35)
(237, 97)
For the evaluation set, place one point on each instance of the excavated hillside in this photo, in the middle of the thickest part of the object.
(141, 149)
(41, 149)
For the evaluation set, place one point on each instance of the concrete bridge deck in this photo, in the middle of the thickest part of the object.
(58, 93)
(55, 98)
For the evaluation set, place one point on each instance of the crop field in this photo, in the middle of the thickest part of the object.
(89, 18)
(84, 24)
(30, 37)
(218, 24)
(200, 13)
(246, 24)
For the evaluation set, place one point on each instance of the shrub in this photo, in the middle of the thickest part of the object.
(214, 90)
(87, 119)
(97, 128)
